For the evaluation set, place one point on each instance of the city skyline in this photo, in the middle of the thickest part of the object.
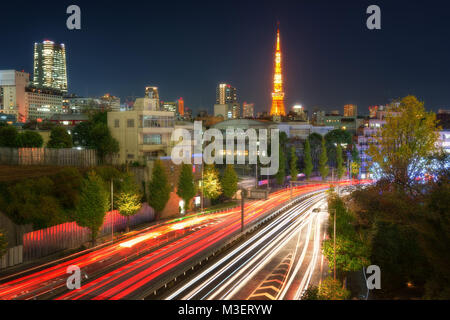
(102, 56)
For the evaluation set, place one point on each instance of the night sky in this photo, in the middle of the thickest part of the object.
(187, 47)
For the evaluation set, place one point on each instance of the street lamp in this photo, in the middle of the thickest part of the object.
(334, 244)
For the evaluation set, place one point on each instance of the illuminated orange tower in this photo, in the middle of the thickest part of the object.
(277, 94)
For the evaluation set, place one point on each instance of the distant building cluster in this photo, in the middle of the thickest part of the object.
(143, 125)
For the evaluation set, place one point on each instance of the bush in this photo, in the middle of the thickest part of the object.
(29, 139)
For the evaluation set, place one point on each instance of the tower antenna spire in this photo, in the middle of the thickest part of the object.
(277, 108)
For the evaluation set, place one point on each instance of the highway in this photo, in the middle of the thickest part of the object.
(278, 262)
(132, 267)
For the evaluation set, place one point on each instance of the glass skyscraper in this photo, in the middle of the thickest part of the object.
(50, 66)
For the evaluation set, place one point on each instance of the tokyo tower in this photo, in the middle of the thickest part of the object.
(277, 108)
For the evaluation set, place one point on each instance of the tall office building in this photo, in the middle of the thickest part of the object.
(248, 110)
(277, 108)
(12, 93)
(350, 110)
(225, 94)
(50, 66)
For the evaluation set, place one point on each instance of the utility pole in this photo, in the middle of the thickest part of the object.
(242, 209)
(112, 208)
(256, 174)
(202, 187)
(334, 244)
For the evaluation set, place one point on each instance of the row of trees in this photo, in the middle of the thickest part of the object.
(93, 133)
(319, 154)
(12, 138)
(213, 185)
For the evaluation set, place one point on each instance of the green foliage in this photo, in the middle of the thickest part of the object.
(308, 159)
(409, 235)
(67, 184)
(3, 243)
(103, 141)
(29, 139)
(186, 187)
(99, 117)
(82, 134)
(312, 293)
(8, 136)
(293, 164)
(33, 201)
(211, 183)
(355, 169)
(340, 162)
(352, 252)
(355, 155)
(332, 140)
(406, 144)
(323, 161)
(229, 182)
(93, 204)
(96, 134)
(281, 174)
(128, 199)
(315, 141)
(59, 138)
(331, 289)
(159, 189)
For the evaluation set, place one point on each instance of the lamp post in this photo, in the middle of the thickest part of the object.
(202, 187)
(242, 209)
(334, 244)
(112, 208)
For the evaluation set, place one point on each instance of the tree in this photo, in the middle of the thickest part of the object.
(96, 134)
(103, 141)
(82, 134)
(211, 183)
(405, 146)
(29, 139)
(128, 199)
(315, 141)
(293, 164)
(93, 204)
(8, 136)
(59, 138)
(186, 186)
(67, 188)
(3, 243)
(159, 189)
(355, 169)
(308, 160)
(332, 140)
(33, 201)
(229, 181)
(340, 167)
(281, 174)
(331, 289)
(323, 161)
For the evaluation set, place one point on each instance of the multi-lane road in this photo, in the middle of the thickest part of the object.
(131, 268)
(277, 262)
